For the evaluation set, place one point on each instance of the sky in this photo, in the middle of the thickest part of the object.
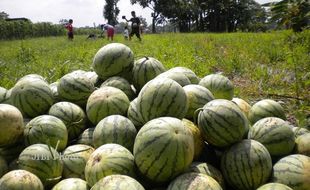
(83, 12)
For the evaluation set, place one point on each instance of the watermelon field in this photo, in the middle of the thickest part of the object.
(177, 111)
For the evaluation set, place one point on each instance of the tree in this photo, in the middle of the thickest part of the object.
(3, 15)
(111, 11)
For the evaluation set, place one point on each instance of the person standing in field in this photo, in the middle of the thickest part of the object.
(110, 31)
(69, 27)
(135, 25)
(126, 33)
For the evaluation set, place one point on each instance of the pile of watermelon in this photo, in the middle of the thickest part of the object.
(133, 125)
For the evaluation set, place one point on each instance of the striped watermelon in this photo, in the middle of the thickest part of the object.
(246, 165)
(275, 134)
(177, 77)
(74, 160)
(71, 184)
(53, 87)
(197, 97)
(274, 186)
(298, 131)
(266, 108)
(20, 180)
(162, 97)
(3, 92)
(32, 77)
(134, 115)
(144, 70)
(46, 129)
(112, 59)
(75, 87)
(243, 105)
(107, 160)
(106, 101)
(117, 182)
(197, 181)
(303, 144)
(3, 167)
(115, 129)
(93, 77)
(208, 169)
(194, 79)
(11, 125)
(86, 137)
(198, 139)
(7, 98)
(122, 84)
(163, 149)
(43, 161)
(32, 96)
(72, 115)
(220, 86)
(293, 171)
(222, 123)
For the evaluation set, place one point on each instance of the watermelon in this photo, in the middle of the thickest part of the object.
(75, 87)
(275, 134)
(32, 96)
(54, 90)
(107, 160)
(93, 77)
(144, 70)
(193, 78)
(43, 161)
(303, 144)
(12, 152)
(117, 182)
(72, 115)
(46, 129)
(32, 77)
(86, 137)
(293, 171)
(122, 84)
(162, 97)
(163, 149)
(71, 184)
(208, 169)
(298, 131)
(274, 186)
(115, 129)
(3, 166)
(243, 105)
(246, 165)
(20, 180)
(222, 123)
(220, 86)
(7, 98)
(266, 108)
(74, 160)
(134, 115)
(177, 77)
(112, 59)
(3, 92)
(197, 97)
(11, 125)
(106, 101)
(197, 181)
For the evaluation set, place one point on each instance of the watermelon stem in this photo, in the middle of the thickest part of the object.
(77, 151)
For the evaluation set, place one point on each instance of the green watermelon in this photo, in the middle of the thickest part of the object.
(71, 184)
(12, 152)
(134, 115)
(298, 131)
(274, 186)
(293, 171)
(20, 180)
(46, 129)
(163, 149)
(86, 137)
(92, 76)
(75, 87)
(303, 144)
(112, 59)
(107, 160)
(162, 97)
(275, 134)
(72, 115)
(197, 97)
(197, 181)
(3, 92)
(177, 77)
(74, 160)
(53, 87)
(220, 86)
(43, 161)
(122, 84)
(117, 182)
(3, 166)
(7, 97)
(144, 70)
(106, 101)
(115, 129)
(222, 123)
(11, 125)
(193, 78)
(246, 165)
(266, 108)
(243, 105)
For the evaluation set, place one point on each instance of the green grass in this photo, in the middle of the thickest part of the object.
(261, 65)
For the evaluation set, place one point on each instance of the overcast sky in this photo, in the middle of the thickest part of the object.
(83, 12)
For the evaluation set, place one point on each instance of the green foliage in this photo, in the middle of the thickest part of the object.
(111, 11)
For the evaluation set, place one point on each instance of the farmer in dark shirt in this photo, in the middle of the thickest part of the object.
(135, 25)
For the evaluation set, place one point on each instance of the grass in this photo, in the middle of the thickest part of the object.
(262, 65)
